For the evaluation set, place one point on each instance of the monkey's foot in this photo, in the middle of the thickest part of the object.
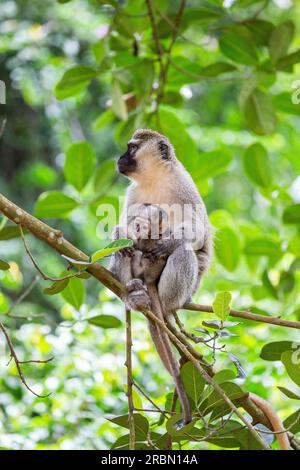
(138, 297)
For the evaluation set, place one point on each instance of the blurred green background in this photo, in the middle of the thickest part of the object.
(88, 71)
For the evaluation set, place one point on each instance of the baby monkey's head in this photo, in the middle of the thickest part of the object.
(147, 151)
(146, 222)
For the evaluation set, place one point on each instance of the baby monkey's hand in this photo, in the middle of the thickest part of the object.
(161, 248)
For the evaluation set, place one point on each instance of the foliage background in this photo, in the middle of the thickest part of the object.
(212, 115)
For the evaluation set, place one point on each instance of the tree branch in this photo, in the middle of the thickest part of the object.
(246, 315)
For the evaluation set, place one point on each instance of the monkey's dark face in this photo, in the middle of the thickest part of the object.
(127, 163)
(147, 152)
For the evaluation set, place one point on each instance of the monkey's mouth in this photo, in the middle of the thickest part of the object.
(126, 166)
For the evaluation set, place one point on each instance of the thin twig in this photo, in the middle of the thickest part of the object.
(17, 362)
(164, 413)
(148, 410)
(128, 364)
(44, 276)
(158, 46)
(246, 315)
(164, 74)
(21, 298)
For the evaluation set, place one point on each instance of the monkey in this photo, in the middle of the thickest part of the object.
(158, 177)
(145, 265)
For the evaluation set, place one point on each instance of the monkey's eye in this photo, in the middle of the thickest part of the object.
(132, 148)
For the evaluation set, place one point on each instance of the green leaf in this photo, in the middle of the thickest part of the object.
(218, 68)
(79, 164)
(257, 165)
(192, 380)
(210, 164)
(106, 118)
(175, 426)
(105, 321)
(57, 287)
(259, 113)
(289, 393)
(261, 30)
(203, 13)
(104, 176)
(280, 40)
(122, 443)
(74, 81)
(4, 266)
(227, 247)
(291, 214)
(291, 363)
(247, 440)
(137, 401)
(99, 50)
(263, 246)
(140, 422)
(54, 204)
(292, 422)
(114, 246)
(74, 293)
(8, 233)
(224, 375)
(239, 46)
(273, 351)
(221, 305)
(171, 126)
(118, 103)
(223, 436)
(287, 61)
(283, 103)
(232, 390)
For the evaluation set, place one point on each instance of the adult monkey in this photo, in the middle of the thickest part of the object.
(159, 178)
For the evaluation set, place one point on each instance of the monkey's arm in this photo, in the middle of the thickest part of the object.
(178, 279)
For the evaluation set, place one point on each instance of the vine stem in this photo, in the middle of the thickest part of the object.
(128, 364)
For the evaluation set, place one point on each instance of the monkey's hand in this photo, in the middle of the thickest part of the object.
(120, 233)
(137, 297)
(161, 248)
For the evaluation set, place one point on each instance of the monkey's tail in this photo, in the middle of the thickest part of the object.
(276, 423)
(164, 349)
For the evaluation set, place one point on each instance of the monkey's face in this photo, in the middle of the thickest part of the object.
(139, 229)
(149, 222)
(127, 163)
(147, 152)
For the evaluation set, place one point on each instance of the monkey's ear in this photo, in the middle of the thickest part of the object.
(163, 149)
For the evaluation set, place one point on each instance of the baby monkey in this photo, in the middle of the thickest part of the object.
(139, 269)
